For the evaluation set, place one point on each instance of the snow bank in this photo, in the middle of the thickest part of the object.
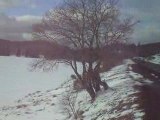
(154, 59)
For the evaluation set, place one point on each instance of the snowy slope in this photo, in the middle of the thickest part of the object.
(154, 59)
(16, 79)
(119, 102)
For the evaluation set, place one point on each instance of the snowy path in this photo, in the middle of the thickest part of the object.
(150, 93)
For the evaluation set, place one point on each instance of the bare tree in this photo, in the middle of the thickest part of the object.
(87, 26)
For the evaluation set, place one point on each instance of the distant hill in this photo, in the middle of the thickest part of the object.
(148, 49)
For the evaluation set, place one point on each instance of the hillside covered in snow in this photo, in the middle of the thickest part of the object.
(121, 101)
(17, 78)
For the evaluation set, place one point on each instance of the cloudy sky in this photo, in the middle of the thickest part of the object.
(18, 16)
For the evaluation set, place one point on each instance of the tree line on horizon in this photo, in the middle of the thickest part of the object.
(34, 49)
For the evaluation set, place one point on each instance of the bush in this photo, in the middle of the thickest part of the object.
(77, 85)
(68, 104)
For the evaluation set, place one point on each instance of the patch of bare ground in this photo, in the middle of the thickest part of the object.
(151, 101)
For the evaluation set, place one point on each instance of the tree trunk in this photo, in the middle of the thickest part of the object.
(98, 82)
(87, 83)
(91, 91)
(96, 85)
(104, 84)
(92, 83)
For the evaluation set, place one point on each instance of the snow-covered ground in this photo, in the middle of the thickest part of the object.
(17, 79)
(154, 59)
(117, 103)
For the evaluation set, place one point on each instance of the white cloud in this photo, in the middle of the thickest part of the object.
(17, 28)
(9, 3)
(4, 4)
(27, 36)
(29, 18)
(147, 12)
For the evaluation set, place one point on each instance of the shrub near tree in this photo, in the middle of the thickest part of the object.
(87, 26)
